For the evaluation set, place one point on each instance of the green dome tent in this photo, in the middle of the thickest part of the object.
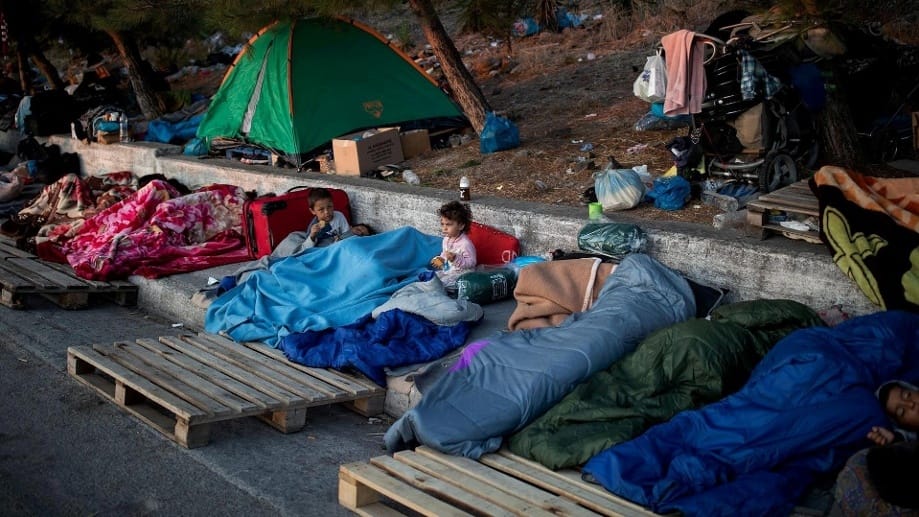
(299, 84)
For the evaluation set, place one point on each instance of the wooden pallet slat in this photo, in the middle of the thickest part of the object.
(138, 396)
(361, 485)
(247, 392)
(496, 488)
(269, 369)
(23, 274)
(180, 385)
(567, 483)
(217, 400)
(547, 500)
(495, 484)
(796, 200)
(159, 375)
(53, 276)
(367, 397)
(8, 249)
(282, 395)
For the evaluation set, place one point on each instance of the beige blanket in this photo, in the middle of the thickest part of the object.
(548, 292)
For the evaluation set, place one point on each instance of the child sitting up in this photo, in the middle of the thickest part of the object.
(458, 255)
(328, 225)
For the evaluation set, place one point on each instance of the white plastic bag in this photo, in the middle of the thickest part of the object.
(619, 189)
(651, 84)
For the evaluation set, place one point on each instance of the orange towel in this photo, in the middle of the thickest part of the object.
(548, 292)
(898, 197)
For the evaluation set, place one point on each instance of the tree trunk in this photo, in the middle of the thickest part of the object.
(19, 30)
(838, 135)
(25, 73)
(147, 100)
(46, 68)
(465, 90)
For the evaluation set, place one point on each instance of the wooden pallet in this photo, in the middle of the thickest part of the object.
(427, 482)
(795, 200)
(180, 385)
(23, 274)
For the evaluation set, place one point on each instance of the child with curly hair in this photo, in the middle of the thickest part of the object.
(458, 252)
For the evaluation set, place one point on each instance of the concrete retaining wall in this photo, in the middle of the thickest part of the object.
(751, 268)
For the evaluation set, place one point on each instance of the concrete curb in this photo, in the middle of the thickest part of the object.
(751, 268)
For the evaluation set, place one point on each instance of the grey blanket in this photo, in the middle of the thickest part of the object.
(502, 383)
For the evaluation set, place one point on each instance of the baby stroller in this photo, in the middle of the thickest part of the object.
(753, 126)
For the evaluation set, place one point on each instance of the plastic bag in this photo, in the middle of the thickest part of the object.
(196, 147)
(498, 134)
(619, 189)
(11, 186)
(651, 84)
(524, 27)
(670, 192)
(483, 287)
(615, 240)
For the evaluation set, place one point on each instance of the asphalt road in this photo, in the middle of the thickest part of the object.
(64, 450)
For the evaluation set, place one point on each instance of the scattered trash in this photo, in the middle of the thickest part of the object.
(374, 420)
(637, 148)
(587, 147)
(589, 115)
(211, 280)
(577, 141)
(619, 189)
(524, 27)
(499, 134)
(670, 193)
(178, 325)
(541, 186)
(591, 56)
(465, 194)
(736, 220)
(794, 225)
(410, 177)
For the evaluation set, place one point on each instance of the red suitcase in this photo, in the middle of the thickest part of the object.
(268, 219)
(492, 246)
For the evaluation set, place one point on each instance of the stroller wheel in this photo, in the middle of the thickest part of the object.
(778, 170)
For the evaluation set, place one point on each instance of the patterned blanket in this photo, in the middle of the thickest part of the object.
(871, 226)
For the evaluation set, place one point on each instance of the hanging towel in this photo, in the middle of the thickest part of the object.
(685, 73)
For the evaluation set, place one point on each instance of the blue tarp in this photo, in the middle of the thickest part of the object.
(160, 130)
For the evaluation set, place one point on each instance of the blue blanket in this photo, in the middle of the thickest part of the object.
(504, 382)
(395, 338)
(806, 408)
(322, 287)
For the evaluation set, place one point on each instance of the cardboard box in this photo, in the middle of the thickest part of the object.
(356, 154)
(107, 138)
(916, 130)
(415, 142)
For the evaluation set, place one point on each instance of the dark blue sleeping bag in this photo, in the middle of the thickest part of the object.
(807, 407)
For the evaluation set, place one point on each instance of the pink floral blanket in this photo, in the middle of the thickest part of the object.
(156, 232)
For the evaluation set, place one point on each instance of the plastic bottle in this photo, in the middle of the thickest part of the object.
(123, 134)
(410, 177)
(465, 195)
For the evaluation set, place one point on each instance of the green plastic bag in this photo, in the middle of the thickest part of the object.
(615, 240)
(483, 287)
